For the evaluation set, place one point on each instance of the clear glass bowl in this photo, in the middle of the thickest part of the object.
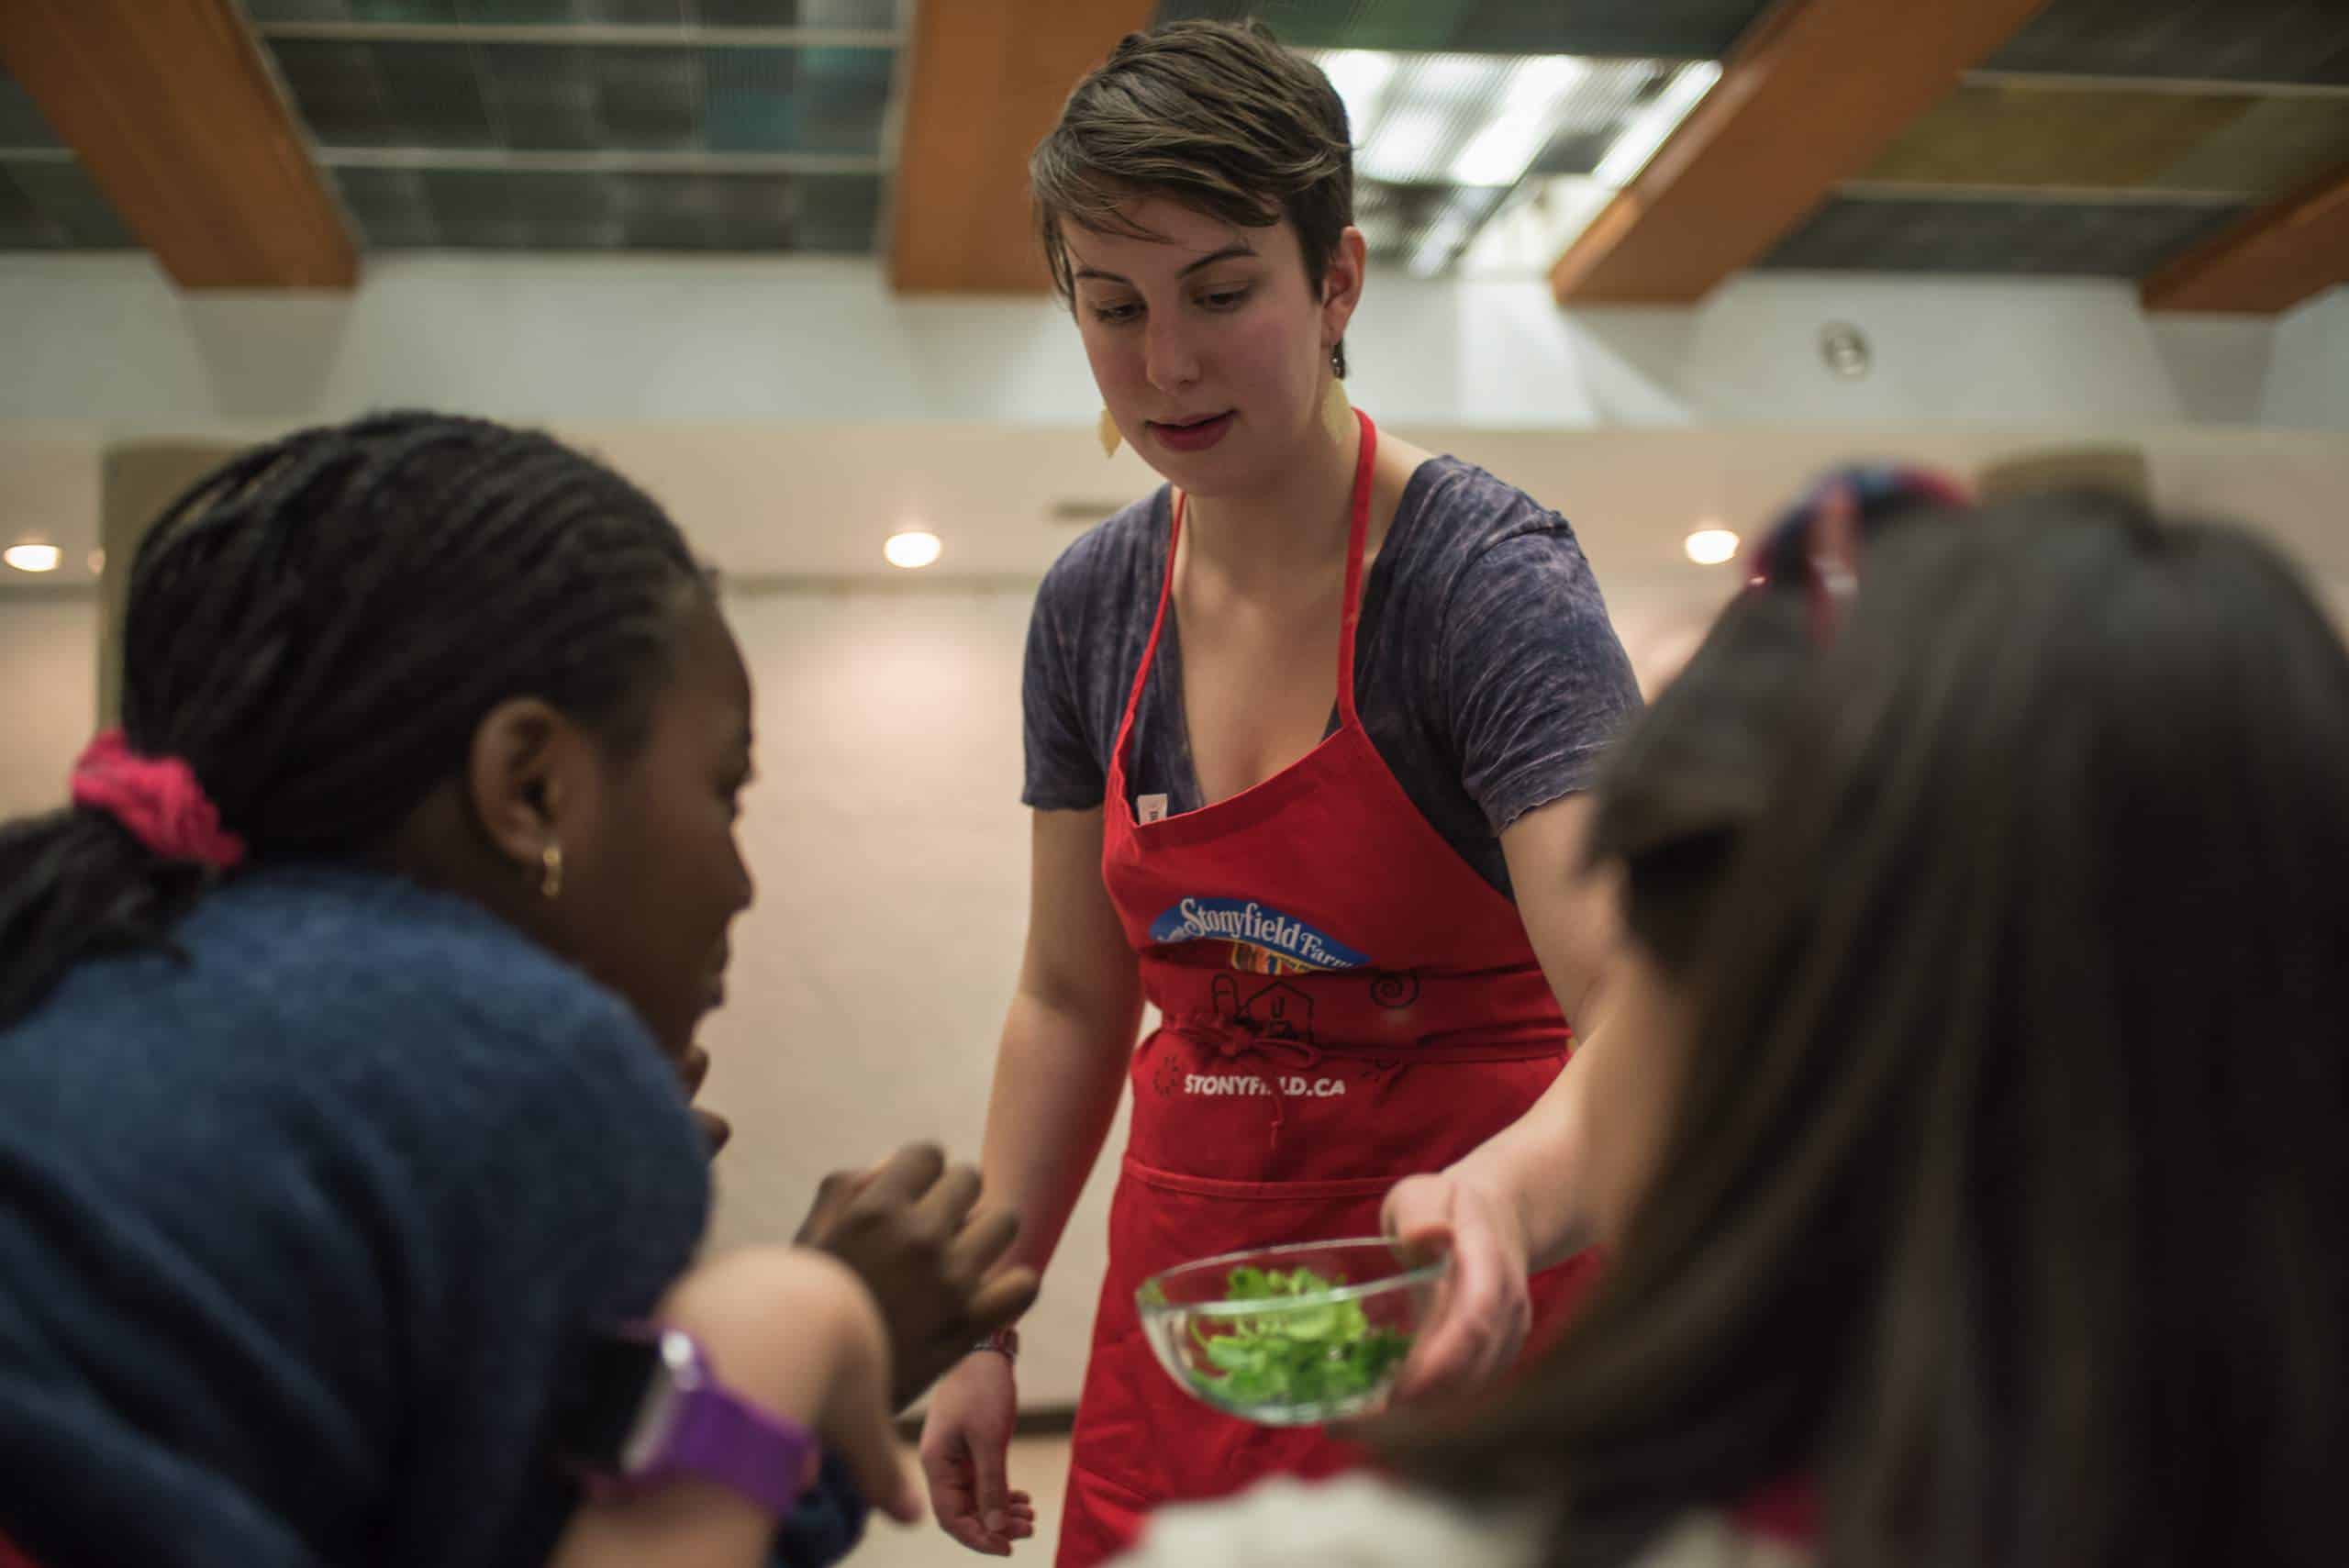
(1251, 1335)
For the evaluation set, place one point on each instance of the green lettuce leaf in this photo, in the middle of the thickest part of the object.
(1322, 1354)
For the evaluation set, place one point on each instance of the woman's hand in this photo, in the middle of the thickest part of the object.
(1486, 1309)
(1521, 1196)
(908, 1230)
(965, 1454)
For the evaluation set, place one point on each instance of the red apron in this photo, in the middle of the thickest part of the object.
(1345, 1002)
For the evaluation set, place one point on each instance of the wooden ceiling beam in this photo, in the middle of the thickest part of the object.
(1809, 97)
(171, 108)
(2269, 263)
(988, 79)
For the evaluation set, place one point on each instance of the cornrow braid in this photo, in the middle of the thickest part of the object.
(318, 627)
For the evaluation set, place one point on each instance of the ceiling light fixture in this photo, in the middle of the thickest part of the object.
(1409, 147)
(1488, 123)
(1531, 108)
(1711, 545)
(1640, 140)
(1529, 234)
(912, 549)
(1361, 76)
(32, 557)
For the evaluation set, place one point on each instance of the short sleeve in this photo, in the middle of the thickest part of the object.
(1530, 673)
(1065, 771)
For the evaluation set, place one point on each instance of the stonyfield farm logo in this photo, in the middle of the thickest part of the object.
(1248, 924)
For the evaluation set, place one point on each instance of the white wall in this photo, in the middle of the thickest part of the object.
(591, 338)
(891, 850)
(48, 654)
(2308, 382)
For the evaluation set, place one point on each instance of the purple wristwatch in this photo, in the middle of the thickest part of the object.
(645, 1407)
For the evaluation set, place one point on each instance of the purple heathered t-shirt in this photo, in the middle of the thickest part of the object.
(1485, 670)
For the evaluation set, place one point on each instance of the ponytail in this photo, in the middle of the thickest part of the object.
(75, 885)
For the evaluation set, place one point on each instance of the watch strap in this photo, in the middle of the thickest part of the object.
(769, 1459)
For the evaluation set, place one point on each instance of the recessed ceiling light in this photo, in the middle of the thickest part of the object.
(1711, 547)
(32, 557)
(912, 548)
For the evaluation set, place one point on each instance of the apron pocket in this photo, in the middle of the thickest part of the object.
(1343, 1190)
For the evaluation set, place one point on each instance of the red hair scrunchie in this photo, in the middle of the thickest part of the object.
(158, 799)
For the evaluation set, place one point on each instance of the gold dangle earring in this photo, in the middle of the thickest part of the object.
(550, 870)
(1106, 430)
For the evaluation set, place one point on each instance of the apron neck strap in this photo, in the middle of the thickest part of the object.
(1357, 537)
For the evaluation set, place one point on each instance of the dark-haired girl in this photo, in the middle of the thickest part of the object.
(1990, 1214)
(344, 1020)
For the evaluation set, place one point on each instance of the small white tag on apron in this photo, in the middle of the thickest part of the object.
(1152, 807)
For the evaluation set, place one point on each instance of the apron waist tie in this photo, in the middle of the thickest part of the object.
(1210, 1032)
(1231, 1044)
(1215, 1033)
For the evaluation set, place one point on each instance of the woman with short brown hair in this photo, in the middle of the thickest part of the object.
(1304, 729)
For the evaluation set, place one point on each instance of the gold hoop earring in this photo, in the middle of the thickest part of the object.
(550, 870)
(1107, 432)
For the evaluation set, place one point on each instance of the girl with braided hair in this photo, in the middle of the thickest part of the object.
(346, 1040)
